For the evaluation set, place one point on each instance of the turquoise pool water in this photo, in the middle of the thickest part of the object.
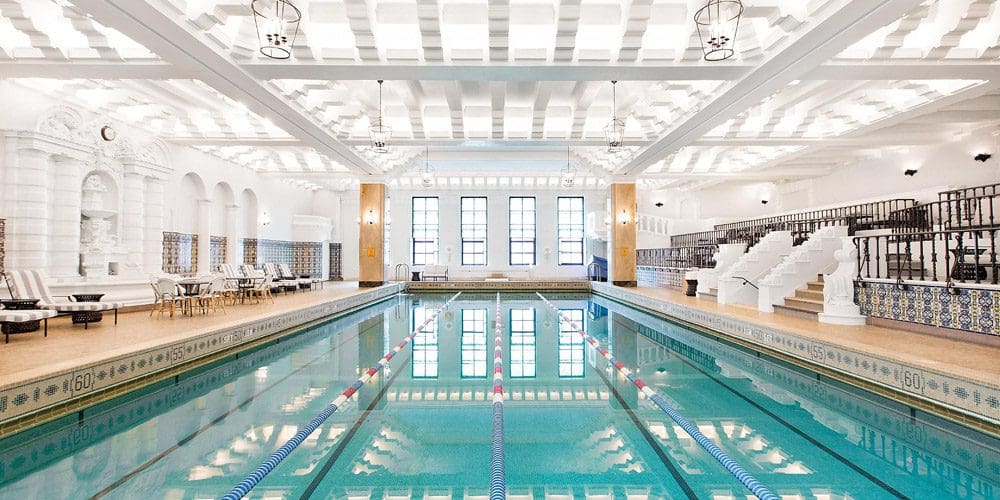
(573, 427)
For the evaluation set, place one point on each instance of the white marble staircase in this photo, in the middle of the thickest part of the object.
(751, 267)
(814, 256)
(807, 302)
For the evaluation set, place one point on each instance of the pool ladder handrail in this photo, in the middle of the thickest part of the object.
(395, 273)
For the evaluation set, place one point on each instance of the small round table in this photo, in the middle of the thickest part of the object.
(87, 316)
(416, 276)
(20, 305)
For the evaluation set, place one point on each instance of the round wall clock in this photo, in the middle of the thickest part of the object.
(107, 133)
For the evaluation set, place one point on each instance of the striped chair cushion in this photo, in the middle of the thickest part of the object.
(31, 285)
(272, 271)
(285, 271)
(22, 316)
(81, 306)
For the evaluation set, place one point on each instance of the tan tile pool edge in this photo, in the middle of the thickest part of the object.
(36, 401)
(723, 327)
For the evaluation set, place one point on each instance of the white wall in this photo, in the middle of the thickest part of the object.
(941, 168)
(497, 231)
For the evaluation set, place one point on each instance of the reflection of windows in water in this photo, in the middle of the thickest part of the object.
(522, 343)
(474, 343)
(571, 345)
(425, 345)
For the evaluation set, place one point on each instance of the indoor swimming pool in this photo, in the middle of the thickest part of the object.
(573, 426)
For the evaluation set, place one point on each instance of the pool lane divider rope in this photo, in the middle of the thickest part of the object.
(243, 487)
(498, 468)
(755, 486)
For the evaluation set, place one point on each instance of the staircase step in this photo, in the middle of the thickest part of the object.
(808, 304)
(815, 285)
(796, 311)
(805, 293)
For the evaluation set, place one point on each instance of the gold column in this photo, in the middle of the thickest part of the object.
(623, 235)
(372, 236)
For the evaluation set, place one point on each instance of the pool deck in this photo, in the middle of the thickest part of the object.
(962, 375)
(38, 372)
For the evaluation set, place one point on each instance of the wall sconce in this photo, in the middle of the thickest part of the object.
(624, 217)
(370, 217)
(983, 157)
(264, 219)
(763, 202)
(910, 172)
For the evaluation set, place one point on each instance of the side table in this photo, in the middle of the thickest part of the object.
(20, 305)
(88, 316)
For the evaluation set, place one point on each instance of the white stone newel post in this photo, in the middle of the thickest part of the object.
(133, 222)
(204, 236)
(838, 290)
(152, 241)
(28, 221)
(64, 230)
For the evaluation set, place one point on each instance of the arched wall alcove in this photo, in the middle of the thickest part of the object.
(250, 210)
(183, 208)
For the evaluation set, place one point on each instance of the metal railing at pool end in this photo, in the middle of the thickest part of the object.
(752, 484)
(243, 487)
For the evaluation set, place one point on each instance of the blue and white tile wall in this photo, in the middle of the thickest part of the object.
(307, 258)
(660, 276)
(971, 310)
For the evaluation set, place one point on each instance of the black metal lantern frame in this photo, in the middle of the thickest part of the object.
(277, 23)
(718, 23)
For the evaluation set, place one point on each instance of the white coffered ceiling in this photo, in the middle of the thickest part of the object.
(498, 91)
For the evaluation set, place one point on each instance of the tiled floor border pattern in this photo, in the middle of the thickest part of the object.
(901, 434)
(51, 446)
(499, 286)
(23, 399)
(661, 276)
(966, 397)
(975, 310)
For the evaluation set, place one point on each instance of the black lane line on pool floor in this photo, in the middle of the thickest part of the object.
(674, 471)
(163, 454)
(350, 434)
(888, 488)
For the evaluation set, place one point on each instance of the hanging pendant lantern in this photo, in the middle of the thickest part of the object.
(718, 22)
(277, 23)
(568, 174)
(615, 130)
(426, 175)
(379, 132)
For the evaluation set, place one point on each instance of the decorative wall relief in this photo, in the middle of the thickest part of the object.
(250, 251)
(180, 253)
(336, 266)
(971, 310)
(307, 258)
(218, 251)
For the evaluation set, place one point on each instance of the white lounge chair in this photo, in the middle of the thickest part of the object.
(23, 316)
(288, 285)
(30, 285)
(286, 273)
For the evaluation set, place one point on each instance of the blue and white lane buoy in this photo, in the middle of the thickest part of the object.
(734, 468)
(498, 468)
(243, 487)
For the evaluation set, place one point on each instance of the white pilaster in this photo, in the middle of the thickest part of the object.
(234, 242)
(152, 247)
(204, 236)
(64, 218)
(133, 219)
(28, 218)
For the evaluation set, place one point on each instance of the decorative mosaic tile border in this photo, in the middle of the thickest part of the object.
(969, 397)
(815, 397)
(250, 252)
(218, 252)
(336, 266)
(180, 253)
(432, 286)
(974, 310)
(661, 276)
(24, 398)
